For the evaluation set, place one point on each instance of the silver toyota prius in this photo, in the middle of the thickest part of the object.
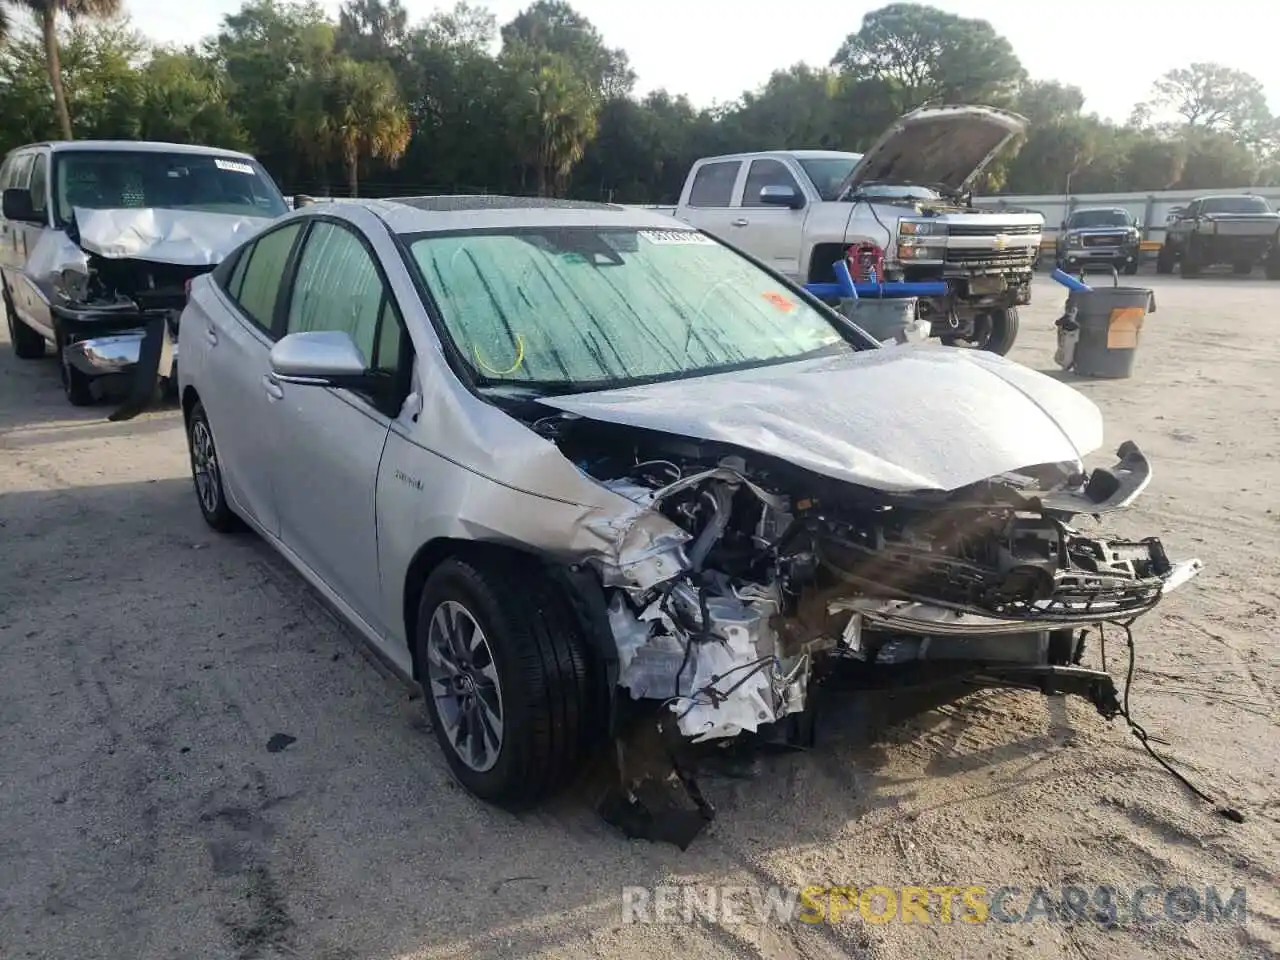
(568, 465)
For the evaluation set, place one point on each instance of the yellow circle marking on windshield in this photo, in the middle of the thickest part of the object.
(511, 369)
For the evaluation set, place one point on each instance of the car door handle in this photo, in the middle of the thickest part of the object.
(273, 388)
(211, 335)
(741, 222)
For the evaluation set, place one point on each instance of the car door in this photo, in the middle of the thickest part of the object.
(13, 234)
(33, 306)
(710, 203)
(772, 234)
(329, 441)
(237, 329)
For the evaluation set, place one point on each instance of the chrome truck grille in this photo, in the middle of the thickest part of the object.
(991, 230)
(1016, 257)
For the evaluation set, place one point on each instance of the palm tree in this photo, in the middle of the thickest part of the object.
(46, 13)
(552, 115)
(351, 111)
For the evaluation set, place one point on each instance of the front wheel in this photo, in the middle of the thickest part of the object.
(504, 669)
(1131, 269)
(27, 344)
(1273, 262)
(1164, 260)
(75, 384)
(206, 473)
(1002, 331)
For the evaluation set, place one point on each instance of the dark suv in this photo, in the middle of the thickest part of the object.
(1099, 235)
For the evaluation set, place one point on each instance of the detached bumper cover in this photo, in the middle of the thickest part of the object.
(113, 354)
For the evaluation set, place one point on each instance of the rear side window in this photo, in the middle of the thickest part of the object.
(255, 281)
(40, 183)
(766, 173)
(713, 184)
(20, 172)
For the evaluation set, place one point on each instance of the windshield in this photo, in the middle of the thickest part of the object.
(827, 173)
(1099, 218)
(182, 181)
(586, 308)
(1235, 205)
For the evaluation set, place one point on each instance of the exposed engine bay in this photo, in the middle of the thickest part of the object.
(785, 573)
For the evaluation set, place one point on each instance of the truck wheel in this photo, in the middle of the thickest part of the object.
(1273, 262)
(1189, 266)
(1131, 269)
(26, 343)
(505, 672)
(1242, 269)
(76, 385)
(1003, 331)
(1164, 260)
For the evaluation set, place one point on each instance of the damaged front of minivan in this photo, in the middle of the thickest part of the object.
(132, 225)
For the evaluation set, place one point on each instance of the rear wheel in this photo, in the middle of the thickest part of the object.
(26, 343)
(504, 667)
(1164, 260)
(206, 473)
(1002, 331)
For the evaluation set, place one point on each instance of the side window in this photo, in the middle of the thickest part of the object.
(713, 184)
(338, 287)
(261, 271)
(40, 183)
(766, 173)
(20, 173)
(5, 171)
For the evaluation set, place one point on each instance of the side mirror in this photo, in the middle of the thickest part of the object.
(779, 195)
(321, 358)
(16, 204)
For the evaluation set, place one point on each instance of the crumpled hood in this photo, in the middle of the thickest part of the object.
(937, 145)
(897, 419)
(162, 235)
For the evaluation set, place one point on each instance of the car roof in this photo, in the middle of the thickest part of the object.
(797, 154)
(1230, 196)
(408, 215)
(1096, 209)
(134, 146)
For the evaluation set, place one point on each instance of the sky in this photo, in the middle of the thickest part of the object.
(713, 50)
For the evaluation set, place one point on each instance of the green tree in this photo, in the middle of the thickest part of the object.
(47, 14)
(923, 55)
(554, 26)
(266, 50)
(351, 112)
(1214, 97)
(372, 29)
(551, 114)
(185, 100)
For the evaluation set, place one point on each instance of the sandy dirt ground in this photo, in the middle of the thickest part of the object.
(149, 810)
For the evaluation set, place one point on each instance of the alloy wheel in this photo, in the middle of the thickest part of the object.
(204, 466)
(464, 686)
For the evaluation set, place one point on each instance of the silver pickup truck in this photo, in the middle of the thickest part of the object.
(799, 211)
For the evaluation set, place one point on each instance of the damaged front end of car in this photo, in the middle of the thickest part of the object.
(116, 281)
(746, 585)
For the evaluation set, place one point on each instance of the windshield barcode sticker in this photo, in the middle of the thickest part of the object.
(233, 166)
(675, 236)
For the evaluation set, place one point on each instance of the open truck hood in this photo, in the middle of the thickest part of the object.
(937, 145)
(163, 235)
(897, 419)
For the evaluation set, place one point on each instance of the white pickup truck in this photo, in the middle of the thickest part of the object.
(799, 211)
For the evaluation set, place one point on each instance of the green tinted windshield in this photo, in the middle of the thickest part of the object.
(590, 307)
(106, 179)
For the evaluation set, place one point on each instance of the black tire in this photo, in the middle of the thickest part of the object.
(543, 675)
(1004, 331)
(1273, 263)
(76, 385)
(1189, 265)
(1242, 269)
(26, 343)
(1131, 269)
(212, 499)
(1164, 260)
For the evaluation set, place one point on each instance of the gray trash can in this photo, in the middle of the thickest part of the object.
(887, 319)
(1099, 332)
